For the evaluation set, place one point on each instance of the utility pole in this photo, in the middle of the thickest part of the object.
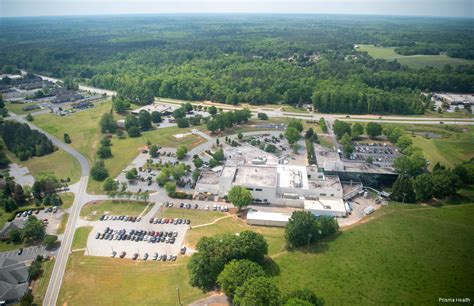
(309, 238)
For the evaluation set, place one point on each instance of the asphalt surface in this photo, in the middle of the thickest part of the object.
(28, 253)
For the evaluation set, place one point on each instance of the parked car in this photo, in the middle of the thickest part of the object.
(122, 255)
(183, 250)
(135, 256)
(20, 251)
(155, 257)
(113, 254)
(145, 257)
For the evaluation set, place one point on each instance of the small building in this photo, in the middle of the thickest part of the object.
(9, 226)
(263, 218)
(13, 280)
(326, 207)
(163, 109)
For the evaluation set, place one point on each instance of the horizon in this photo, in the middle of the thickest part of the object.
(392, 8)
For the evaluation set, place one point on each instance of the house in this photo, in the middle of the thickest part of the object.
(9, 226)
(13, 280)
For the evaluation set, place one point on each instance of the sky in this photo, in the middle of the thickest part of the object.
(452, 8)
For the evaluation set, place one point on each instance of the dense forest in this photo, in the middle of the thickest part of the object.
(257, 59)
(20, 139)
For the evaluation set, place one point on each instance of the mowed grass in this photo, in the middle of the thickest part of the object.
(67, 199)
(17, 108)
(93, 280)
(196, 216)
(414, 61)
(80, 237)
(410, 256)
(93, 211)
(455, 146)
(82, 127)
(62, 225)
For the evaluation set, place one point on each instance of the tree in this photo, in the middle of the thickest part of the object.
(240, 136)
(16, 236)
(257, 291)
(235, 273)
(144, 120)
(296, 302)
(322, 124)
(104, 152)
(99, 172)
(134, 132)
(423, 186)
(292, 135)
(170, 188)
(19, 194)
(33, 229)
(213, 163)
(309, 133)
(181, 152)
(67, 138)
(212, 110)
(402, 190)
(404, 142)
(156, 117)
(392, 133)
(110, 184)
(262, 116)
(239, 196)
(131, 174)
(154, 151)
(340, 128)
(50, 241)
(357, 130)
(120, 104)
(347, 146)
(219, 155)
(305, 295)
(29, 117)
(301, 229)
(445, 183)
(107, 123)
(373, 129)
(27, 299)
(105, 141)
(412, 165)
(198, 162)
(253, 245)
(295, 123)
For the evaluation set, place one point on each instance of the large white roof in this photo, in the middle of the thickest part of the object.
(267, 216)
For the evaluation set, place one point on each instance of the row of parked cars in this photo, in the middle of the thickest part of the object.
(138, 235)
(156, 256)
(120, 218)
(170, 221)
(27, 213)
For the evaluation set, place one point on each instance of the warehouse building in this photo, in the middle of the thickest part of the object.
(263, 218)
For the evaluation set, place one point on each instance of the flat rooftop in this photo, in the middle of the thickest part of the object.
(209, 178)
(325, 205)
(267, 216)
(292, 177)
(256, 176)
(247, 155)
(156, 107)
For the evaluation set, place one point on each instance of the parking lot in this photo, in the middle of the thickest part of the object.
(50, 216)
(381, 154)
(141, 238)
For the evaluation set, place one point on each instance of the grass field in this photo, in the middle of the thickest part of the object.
(414, 61)
(80, 237)
(68, 199)
(455, 146)
(17, 108)
(62, 225)
(130, 208)
(196, 216)
(59, 162)
(40, 285)
(410, 256)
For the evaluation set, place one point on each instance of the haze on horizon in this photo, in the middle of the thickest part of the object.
(448, 8)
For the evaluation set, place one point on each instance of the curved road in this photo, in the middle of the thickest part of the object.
(80, 199)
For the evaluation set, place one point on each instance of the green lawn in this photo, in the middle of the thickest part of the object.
(130, 208)
(414, 61)
(62, 225)
(68, 199)
(17, 108)
(410, 256)
(40, 285)
(455, 146)
(196, 216)
(292, 109)
(59, 162)
(80, 237)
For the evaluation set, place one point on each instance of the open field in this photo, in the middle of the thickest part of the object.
(454, 147)
(130, 208)
(68, 199)
(196, 216)
(62, 225)
(82, 127)
(414, 61)
(404, 249)
(17, 108)
(59, 162)
(80, 237)
(40, 285)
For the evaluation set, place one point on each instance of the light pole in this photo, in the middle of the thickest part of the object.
(309, 238)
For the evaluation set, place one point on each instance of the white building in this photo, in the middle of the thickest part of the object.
(326, 207)
(263, 218)
(156, 107)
